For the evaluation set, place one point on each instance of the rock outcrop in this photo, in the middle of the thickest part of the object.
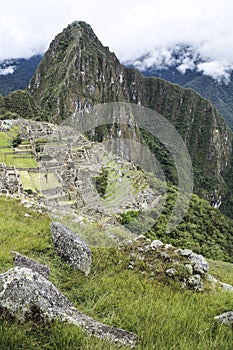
(182, 265)
(224, 286)
(226, 318)
(71, 248)
(25, 294)
(199, 263)
(23, 261)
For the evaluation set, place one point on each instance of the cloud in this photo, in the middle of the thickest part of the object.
(7, 70)
(130, 28)
(216, 70)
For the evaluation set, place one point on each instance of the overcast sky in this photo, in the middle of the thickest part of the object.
(128, 27)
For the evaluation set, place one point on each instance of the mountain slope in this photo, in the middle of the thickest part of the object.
(78, 71)
(15, 74)
(184, 68)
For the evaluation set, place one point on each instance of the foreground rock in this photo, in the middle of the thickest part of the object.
(157, 258)
(26, 294)
(200, 265)
(226, 318)
(71, 248)
(24, 261)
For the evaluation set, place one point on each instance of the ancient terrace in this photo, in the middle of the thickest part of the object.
(60, 168)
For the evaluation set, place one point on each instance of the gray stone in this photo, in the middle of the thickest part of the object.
(168, 247)
(156, 244)
(200, 265)
(71, 248)
(196, 283)
(184, 252)
(211, 279)
(26, 295)
(24, 261)
(226, 318)
(226, 287)
(171, 272)
(141, 238)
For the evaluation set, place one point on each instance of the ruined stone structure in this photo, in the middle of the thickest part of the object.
(10, 182)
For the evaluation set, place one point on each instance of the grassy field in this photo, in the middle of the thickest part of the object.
(4, 139)
(20, 162)
(36, 182)
(163, 315)
(7, 154)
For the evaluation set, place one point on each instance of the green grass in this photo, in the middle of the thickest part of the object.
(222, 270)
(27, 181)
(20, 162)
(163, 316)
(35, 181)
(4, 139)
(7, 155)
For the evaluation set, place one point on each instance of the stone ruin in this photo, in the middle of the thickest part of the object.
(75, 162)
(10, 181)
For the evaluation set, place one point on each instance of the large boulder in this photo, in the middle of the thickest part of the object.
(25, 294)
(23, 261)
(71, 248)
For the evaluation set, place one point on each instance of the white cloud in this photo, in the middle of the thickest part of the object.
(129, 28)
(185, 65)
(216, 70)
(7, 70)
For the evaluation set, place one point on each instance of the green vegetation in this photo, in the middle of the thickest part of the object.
(163, 316)
(8, 141)
(18, 104)
(20, 78)
(203, 229)
(20, 162)
(102, 182)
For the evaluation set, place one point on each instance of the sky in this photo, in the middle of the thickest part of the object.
(130, 28)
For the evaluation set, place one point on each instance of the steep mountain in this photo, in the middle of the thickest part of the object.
(15, 74)
(19, 103)
(77, 72)
(183, 66)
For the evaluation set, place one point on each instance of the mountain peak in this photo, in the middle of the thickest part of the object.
(76, 30)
